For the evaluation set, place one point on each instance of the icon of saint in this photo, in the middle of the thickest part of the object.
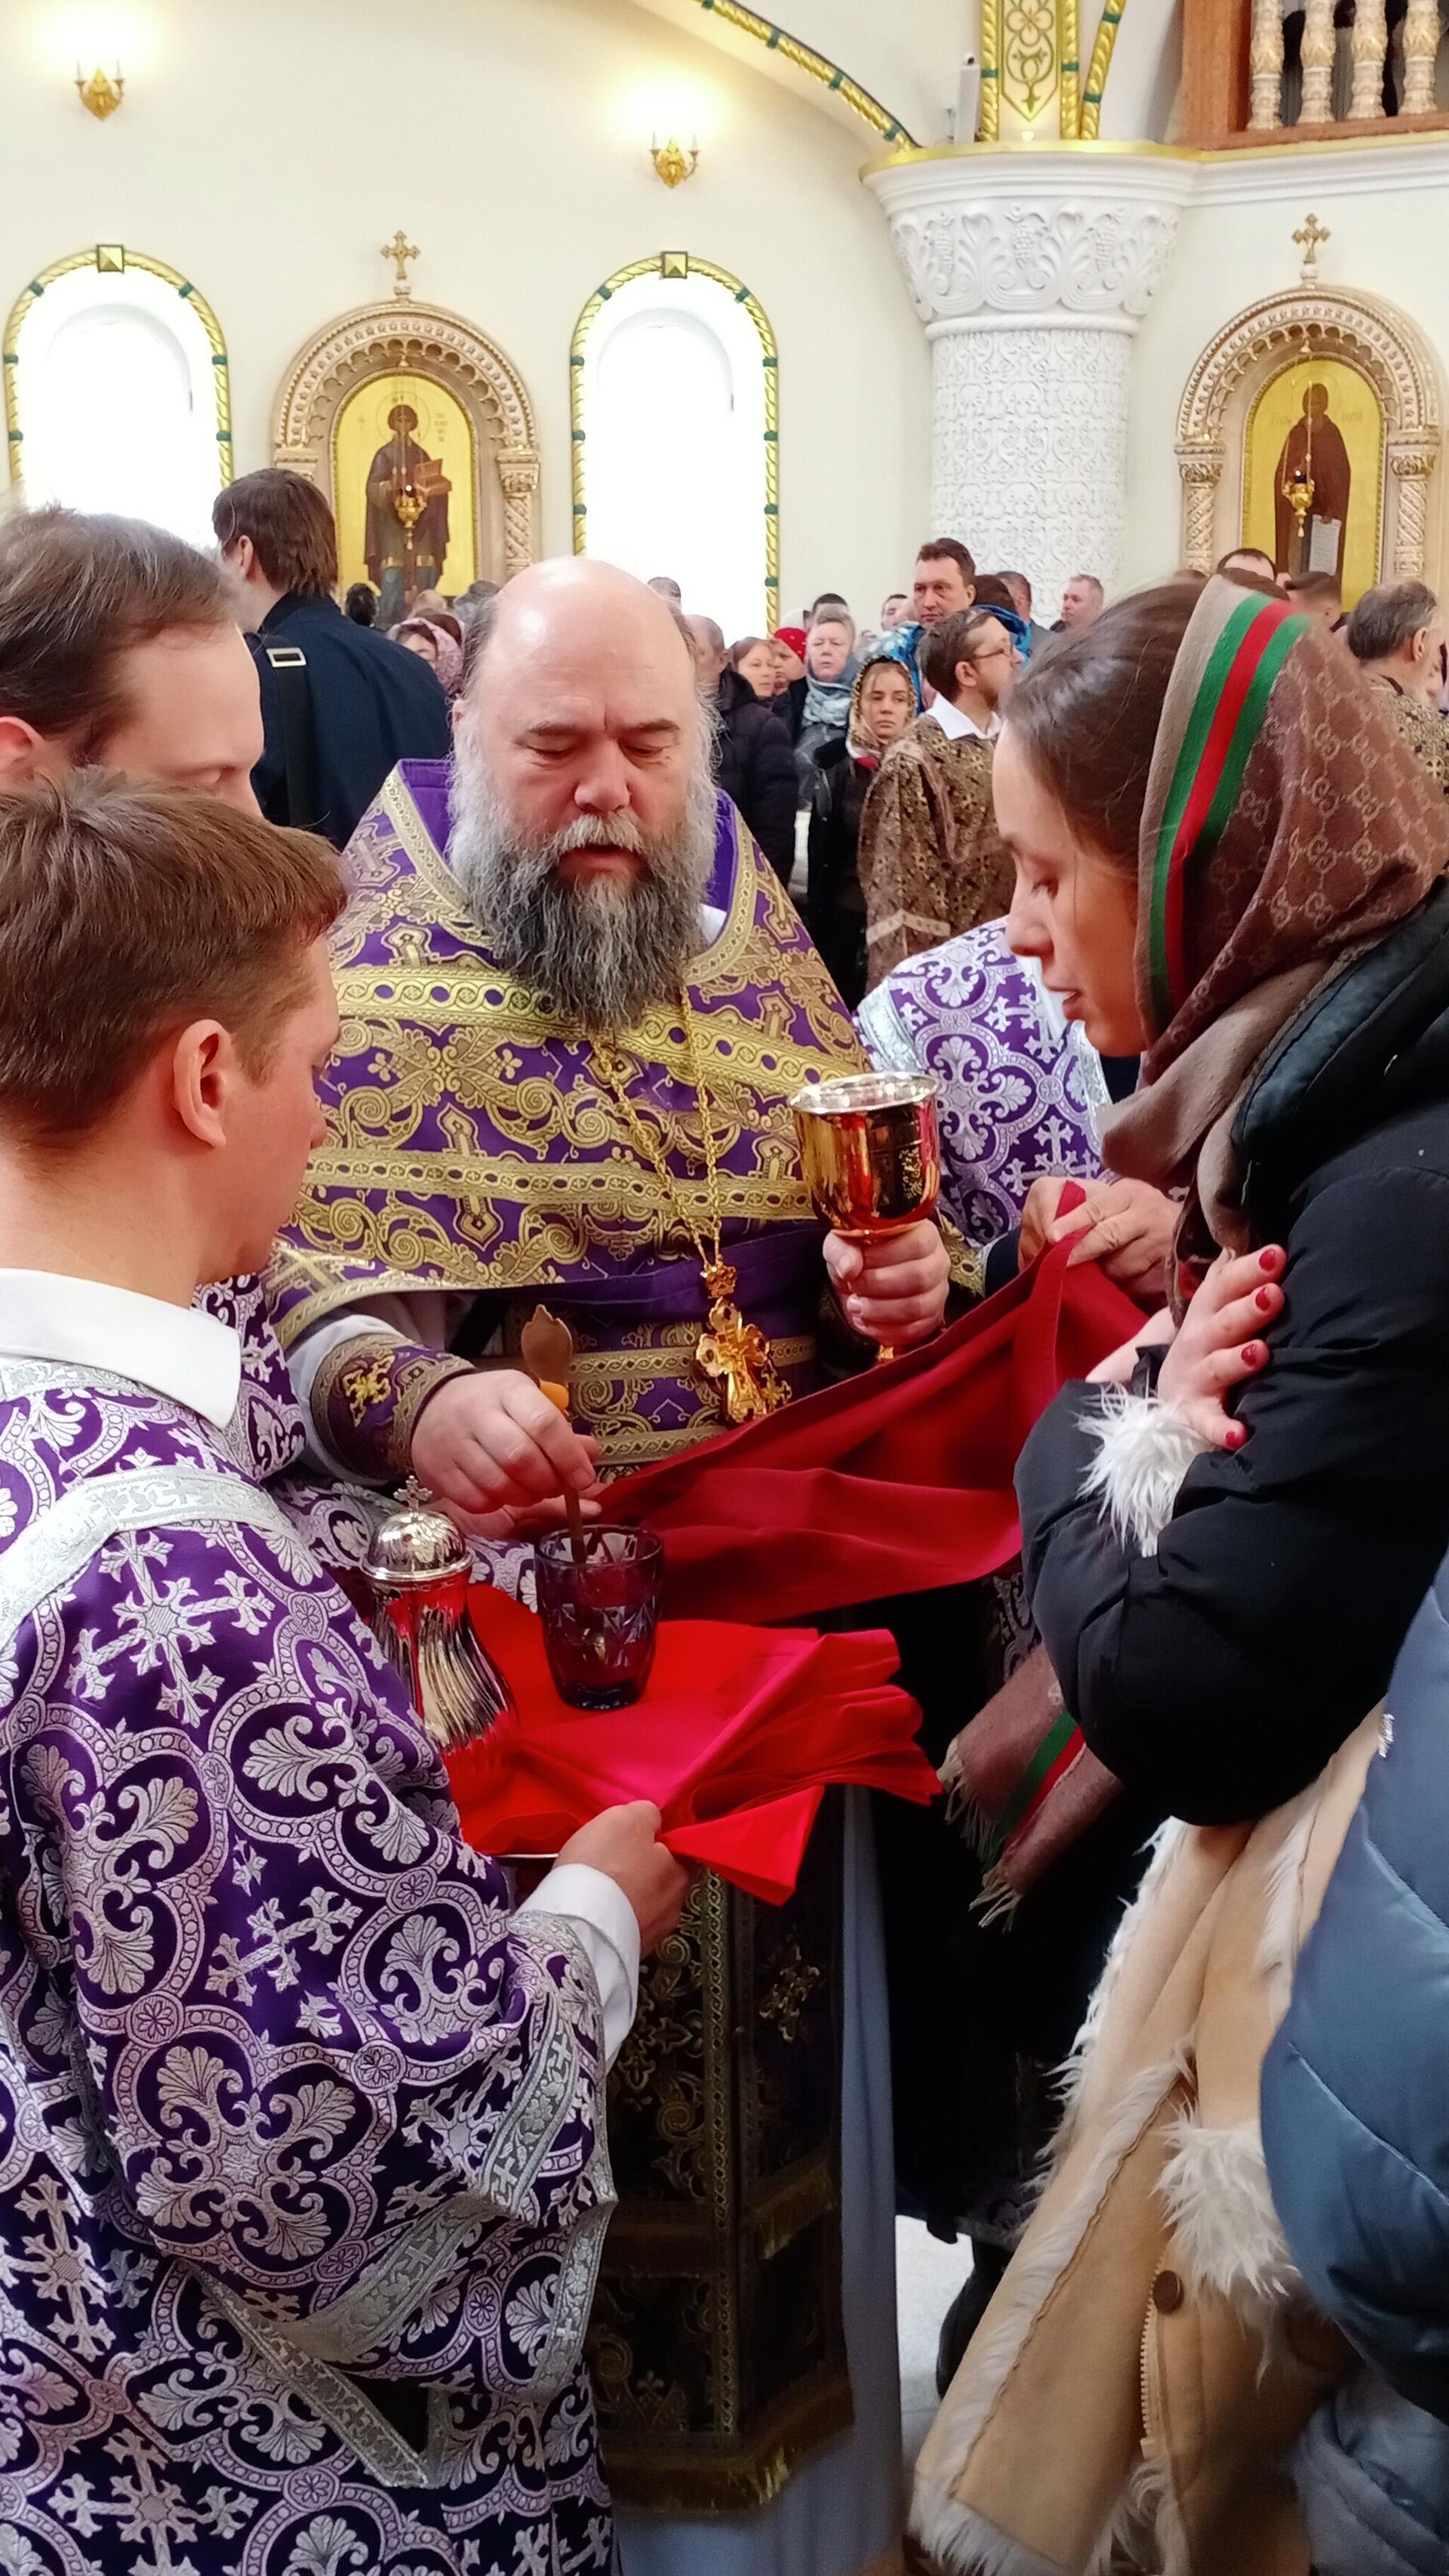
(1311, 491)
(407, 517)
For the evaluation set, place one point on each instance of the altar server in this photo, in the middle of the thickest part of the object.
(302, 2167)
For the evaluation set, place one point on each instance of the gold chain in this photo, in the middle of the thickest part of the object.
(656, 1155)
(733, 1355)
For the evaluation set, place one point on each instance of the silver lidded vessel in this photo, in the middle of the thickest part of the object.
(419, 1567)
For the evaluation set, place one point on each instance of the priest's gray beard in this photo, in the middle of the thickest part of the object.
(601, 951)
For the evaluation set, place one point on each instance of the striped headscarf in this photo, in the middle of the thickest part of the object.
(1285, 821)
(1286, 825)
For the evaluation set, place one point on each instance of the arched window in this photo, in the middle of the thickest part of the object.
(116, 389)
(675, 448)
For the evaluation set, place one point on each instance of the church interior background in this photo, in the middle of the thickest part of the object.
(1092, 287)
(757, 305)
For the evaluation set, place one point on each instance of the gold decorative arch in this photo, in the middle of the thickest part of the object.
(1310, 322)
(112, 259)
(1090, 125)
(804, 58)
(379, 340)
(669, 263)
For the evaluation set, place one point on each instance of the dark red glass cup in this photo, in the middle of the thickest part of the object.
(600, 1612)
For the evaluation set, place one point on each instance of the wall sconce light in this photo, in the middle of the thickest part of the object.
(672, 163)
(102, 93)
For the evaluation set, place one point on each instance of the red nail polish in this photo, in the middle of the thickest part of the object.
(1236, 1435)
(1268, 1260)
(1254, 1354)
(1265, 1300)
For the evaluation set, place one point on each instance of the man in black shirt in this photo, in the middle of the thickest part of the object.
(341, 704)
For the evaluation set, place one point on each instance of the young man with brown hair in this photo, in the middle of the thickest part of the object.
(341, 703)
(119, 644)
(305, 2175)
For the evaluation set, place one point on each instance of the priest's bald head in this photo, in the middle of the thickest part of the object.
(584, 803)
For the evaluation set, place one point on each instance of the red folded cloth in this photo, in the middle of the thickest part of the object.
(735, 1740)
(897, 1481)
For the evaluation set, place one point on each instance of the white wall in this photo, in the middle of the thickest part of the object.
(1146, 68)
(268, 154)
(1384, 208)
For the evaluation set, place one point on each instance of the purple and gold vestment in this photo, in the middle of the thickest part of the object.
(476, 1164)
(474, 1152)
(303, 2179)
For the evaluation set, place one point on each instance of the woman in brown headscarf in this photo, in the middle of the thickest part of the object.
(1227, 858)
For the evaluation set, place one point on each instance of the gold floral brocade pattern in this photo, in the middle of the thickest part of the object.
(541, 1174)
(474, 1146)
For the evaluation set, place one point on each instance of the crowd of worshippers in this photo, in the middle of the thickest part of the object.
(882, 737)
(310, 2134)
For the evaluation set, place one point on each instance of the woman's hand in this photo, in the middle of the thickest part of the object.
(892, 1289)
(1218, 1346)
(1127, 1226)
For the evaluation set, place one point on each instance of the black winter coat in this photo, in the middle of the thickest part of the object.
(789, 706)
(1218, 1676)
(372, 704)
(755, 766)
(835, 904)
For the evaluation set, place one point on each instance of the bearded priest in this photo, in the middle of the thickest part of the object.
(575, 1004)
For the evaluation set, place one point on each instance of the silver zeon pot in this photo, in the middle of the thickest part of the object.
(419, 1567)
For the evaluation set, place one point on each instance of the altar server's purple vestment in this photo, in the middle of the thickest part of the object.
(302, 2174)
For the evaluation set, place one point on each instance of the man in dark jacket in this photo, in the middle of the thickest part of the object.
(341, 704)
(753, 761)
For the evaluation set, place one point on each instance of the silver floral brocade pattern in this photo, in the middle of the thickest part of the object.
(1018, 1098)
(302, 2176)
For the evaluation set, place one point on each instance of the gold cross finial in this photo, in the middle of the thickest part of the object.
(1308, 238)
(400, 250)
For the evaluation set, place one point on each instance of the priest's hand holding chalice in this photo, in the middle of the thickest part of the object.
(871, 1158)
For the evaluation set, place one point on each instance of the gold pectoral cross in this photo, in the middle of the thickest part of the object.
(736, 1355)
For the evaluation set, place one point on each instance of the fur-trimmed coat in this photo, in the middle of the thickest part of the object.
(1151, 2355)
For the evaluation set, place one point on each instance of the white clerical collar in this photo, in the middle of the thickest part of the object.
(175, 1350)
(954, 725)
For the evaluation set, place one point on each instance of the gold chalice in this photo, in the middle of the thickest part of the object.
(870, 1153)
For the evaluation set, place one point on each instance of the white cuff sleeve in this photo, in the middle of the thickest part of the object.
(608, 1927)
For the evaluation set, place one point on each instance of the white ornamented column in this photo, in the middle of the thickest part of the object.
(1031, 271)
(1411, 462)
